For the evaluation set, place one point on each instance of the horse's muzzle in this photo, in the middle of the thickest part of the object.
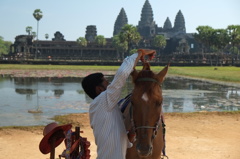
(144, 150)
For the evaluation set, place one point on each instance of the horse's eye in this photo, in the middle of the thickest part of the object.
(158, 103)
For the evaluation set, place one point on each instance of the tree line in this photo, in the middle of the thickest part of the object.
(4, 46)
(217, 40)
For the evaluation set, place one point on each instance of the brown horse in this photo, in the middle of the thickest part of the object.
(145, 114)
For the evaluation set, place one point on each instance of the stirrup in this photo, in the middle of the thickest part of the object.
(164, 156)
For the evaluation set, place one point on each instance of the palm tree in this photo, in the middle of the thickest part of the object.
(29, 30)
(130, 35)
(121, 47)
(34, 34)
(160, 42)
(37, 15)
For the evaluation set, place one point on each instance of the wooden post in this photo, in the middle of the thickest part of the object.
(52, 143)
(77, 131)
(52, 140)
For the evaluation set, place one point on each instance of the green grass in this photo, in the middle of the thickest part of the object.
(230, 74)
(227, 73)
(192, 114)
(58, 67)
(25, 128)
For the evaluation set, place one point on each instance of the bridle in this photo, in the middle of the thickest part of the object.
(158, 122)
(147, 79)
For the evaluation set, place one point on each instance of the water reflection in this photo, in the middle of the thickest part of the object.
(57, 96)
(185, 95)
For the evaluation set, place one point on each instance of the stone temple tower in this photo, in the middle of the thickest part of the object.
(120, 22)
(91, 33)
(179, 24)
(146, 25)
(167, 25)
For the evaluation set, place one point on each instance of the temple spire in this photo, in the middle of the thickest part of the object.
(179, 24)
(146, 25)
(167, 24)
(146, 15)
(120, 22)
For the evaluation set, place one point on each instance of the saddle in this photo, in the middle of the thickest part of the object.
(124, 105)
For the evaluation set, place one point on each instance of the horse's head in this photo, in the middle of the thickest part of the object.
(146, 107)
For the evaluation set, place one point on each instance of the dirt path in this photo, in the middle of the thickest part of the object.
(189, 136)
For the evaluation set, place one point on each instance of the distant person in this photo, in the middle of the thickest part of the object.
(105, 116)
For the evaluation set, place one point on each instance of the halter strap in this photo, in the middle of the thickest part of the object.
(146, 79)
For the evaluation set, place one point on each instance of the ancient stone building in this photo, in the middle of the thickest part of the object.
(146, 26)
(178, 40)
(91, 33)
(167, 25)
(25, 47)
(58, 37)
(179, 24)
(120, 22)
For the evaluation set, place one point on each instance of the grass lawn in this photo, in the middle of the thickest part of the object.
(230, 74)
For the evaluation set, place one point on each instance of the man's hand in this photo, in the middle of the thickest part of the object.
(149, 53)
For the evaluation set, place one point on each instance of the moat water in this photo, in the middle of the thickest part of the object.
(20, 97)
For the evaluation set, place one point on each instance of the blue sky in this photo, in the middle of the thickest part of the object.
(71, 17)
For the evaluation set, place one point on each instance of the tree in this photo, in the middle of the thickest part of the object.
(205, 37)
(37, 14)
(100, 40)
(160, 42)
(220, 39)
(133, 51)
(4, 46)
(130, 35)
(46, 36)
(34, 34)
(234, 35)
(121, 47)
(82, 42)
(29, 30)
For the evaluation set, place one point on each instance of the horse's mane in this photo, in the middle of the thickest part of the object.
(151, 88)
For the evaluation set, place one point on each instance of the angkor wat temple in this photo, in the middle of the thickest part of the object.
(58, 48)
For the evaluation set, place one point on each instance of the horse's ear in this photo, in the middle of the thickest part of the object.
(161, 75)
(146, 66)
(134, 74)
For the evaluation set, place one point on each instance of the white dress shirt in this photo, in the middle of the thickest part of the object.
(106, 117)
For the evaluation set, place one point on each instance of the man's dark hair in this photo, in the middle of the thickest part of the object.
(90, 82)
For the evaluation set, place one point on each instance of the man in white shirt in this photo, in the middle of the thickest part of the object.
(105, 116)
